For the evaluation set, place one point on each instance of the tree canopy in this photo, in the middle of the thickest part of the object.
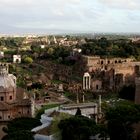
(120, 119)
(78, 128)
(110, 48)
(28, 60)
(20, 129)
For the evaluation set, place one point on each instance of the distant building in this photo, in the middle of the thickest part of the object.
(54, 40)
(66, 42)
(42, 46)
(1, 54)
(16, 58)
(12, 105)
(76, 51)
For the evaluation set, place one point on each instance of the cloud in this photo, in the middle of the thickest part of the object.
(15, 2)
(66, 15)
(123, 4)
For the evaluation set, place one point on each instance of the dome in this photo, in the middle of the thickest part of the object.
(7, 81)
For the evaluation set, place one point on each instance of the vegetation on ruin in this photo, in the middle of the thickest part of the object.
(44, 107)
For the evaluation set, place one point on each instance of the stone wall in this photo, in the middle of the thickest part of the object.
(96, 85)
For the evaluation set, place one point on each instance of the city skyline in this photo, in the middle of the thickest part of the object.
(69, 16)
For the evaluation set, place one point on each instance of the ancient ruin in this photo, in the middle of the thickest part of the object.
(110, 73)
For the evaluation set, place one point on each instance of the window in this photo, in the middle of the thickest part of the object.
(17, 60)
(97, 87)
(2, 98)
(120, 61)
(102, 62)
(10, 97)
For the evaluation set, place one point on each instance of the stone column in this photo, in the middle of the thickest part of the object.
(83, 98)
(86, 81)
(83, 82)
(89, 81)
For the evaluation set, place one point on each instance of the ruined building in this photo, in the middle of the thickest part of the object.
(12, 104)
(110, 73)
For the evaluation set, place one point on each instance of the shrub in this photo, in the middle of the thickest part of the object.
(28, 60)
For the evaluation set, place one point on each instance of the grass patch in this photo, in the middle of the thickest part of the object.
(45, 107)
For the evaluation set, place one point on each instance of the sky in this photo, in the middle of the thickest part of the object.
(69, 16)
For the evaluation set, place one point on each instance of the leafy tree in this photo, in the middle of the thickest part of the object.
(56, 120)
(50, 51)
(35, 48)
(28, 60)
(120, 119)
(20, 129)
(103, 42)
(36, 85)
(127, 92)
(78, 128)
(106, 47)
(19, 135)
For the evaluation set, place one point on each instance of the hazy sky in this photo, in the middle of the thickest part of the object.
(46, 16)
